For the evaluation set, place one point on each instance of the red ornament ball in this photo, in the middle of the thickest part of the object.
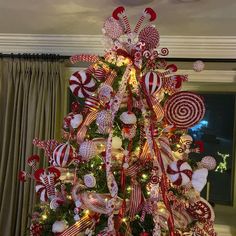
(150, 36)
(100, 74)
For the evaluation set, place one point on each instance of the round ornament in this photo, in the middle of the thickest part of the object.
(82, 84)
(128, 118)
(151, 82)
(208, 162)
(150, 36)
(76, 120)
(179, 172)
(198, 66)
(92, 103)
(100, 74)
(116, 142)
(105, 92)
(112, 28)
(63, 155)
(104, 121)
(89, 180)
(87, 150)
(59, 226)
(184, 109)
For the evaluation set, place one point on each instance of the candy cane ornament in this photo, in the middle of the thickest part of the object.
(148, 11)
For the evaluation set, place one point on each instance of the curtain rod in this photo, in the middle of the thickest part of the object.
(58, 56)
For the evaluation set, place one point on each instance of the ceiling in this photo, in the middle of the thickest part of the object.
(86, 17)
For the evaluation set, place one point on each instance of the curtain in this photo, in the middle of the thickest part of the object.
(32, 104)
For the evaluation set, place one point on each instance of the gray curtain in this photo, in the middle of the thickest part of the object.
(32, 104)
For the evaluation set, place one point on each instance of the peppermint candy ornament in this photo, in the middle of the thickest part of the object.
(151, 82)
(87, 150)
(179, 172)
(89, 180)
(82, 84)
(150, 36)
(63, 155)
(184, 109)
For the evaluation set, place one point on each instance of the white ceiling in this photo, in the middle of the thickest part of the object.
(86, 17)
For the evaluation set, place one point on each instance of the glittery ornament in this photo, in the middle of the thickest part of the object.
(104, 122)
(112, 28)
(128, 118)
(198, 66)
(105, 92)
(150, 36)
(208, 162)
(87, 150)
(89, 180)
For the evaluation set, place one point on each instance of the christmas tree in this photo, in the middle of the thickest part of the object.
(124, 166)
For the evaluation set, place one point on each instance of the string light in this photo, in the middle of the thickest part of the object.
(124, 219)
(44, 216)
(86, 212)
(144, 176)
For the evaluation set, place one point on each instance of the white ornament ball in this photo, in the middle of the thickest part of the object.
(116, 142)
(198, 66)
(208, 162)
(87, 150)
(89, 180)
(76, 121)
(76, 217)
(78, 203)
(104, 93)
(128, 118)
(59, 226)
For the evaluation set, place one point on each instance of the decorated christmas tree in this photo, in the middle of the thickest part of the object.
(124, 165)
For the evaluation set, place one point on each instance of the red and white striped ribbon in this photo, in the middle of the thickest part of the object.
(91, 116)
(135, 198)
(83, 57)
(80, 226)
(110, 78)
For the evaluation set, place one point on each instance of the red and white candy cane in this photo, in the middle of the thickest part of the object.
(121, 11)
(84, 58)
(148, 11)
